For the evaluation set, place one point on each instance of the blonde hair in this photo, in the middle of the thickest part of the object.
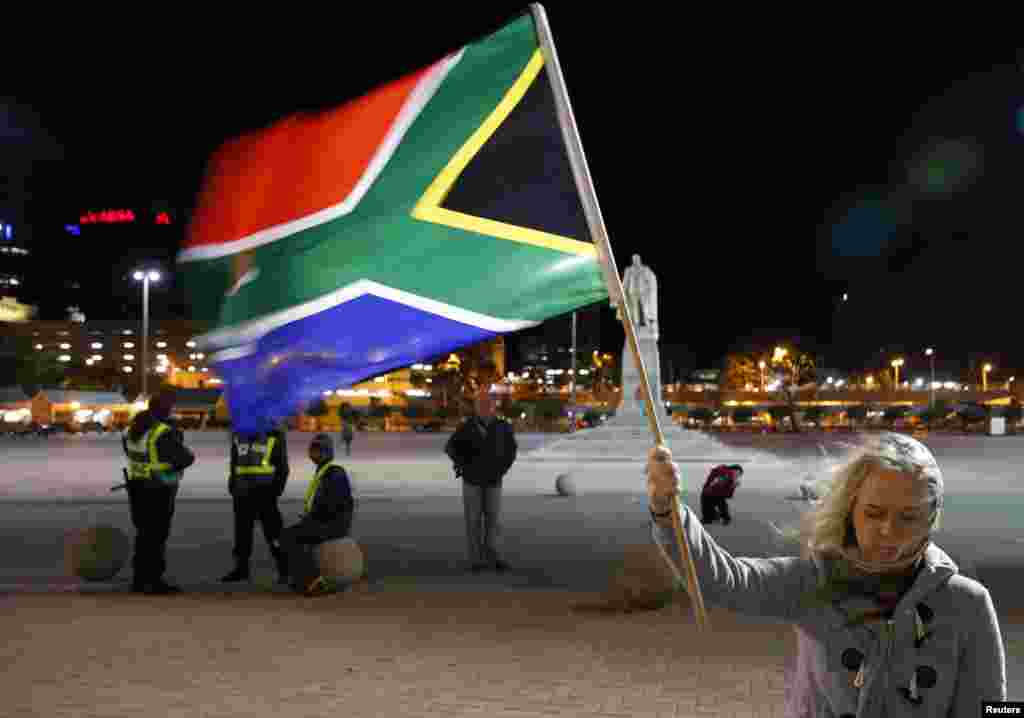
(828, 529)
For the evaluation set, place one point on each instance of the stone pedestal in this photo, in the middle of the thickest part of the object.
(631, 410)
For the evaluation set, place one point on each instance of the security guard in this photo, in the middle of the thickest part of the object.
(258, 472)
(327, 515)
(157, 458)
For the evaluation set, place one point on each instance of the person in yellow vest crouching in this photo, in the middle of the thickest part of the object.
(256, 479)
(327, 515)
(157, 459)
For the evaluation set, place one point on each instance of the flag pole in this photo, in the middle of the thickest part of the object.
(585, 187)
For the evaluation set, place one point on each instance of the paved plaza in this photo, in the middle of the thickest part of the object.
(435, 639)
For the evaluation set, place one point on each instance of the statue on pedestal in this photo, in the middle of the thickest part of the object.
(641, 290)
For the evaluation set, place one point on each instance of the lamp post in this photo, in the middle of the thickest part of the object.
(572, 376)
(984, 376)
(145, 276)
(930, 353)
(896, 364)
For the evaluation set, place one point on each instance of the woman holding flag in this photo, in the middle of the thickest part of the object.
(889, 624)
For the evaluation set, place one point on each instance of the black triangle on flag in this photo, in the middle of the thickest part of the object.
(502, 181)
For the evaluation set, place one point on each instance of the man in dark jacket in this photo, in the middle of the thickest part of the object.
(483, 449)
(257, 475)
(157, 458)
(327, 515)
(720, 486)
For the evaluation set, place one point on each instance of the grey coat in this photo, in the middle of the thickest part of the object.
(963, 652)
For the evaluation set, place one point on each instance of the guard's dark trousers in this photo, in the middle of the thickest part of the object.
(152, 507)
(258, 503)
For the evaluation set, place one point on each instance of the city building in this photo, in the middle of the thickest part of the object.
(101, 243)
(106, 357)
(14, 273)
(701, 380)
(108, 354)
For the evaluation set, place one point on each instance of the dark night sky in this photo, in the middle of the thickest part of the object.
(726, 157)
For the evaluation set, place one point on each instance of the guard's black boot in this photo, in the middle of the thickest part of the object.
(240, 573)
(162, 588)
(282, 565)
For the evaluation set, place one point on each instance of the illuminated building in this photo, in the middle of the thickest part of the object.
(13, 262)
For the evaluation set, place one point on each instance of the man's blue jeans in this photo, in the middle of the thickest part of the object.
(482, 507)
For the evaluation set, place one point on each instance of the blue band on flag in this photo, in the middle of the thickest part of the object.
(295, 364)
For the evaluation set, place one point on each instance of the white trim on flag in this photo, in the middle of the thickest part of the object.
(252, 331)
(424, 91)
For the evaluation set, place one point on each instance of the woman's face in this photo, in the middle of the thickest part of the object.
(890, 515)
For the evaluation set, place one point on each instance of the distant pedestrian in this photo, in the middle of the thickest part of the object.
(347, 435)
(483, 449)
(718, 489)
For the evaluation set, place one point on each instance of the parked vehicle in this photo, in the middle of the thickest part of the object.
(45, 430)
(93, 426)
(23, 431)
(427, 426)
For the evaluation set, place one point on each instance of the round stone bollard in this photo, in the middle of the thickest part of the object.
(97, 553)
(341, 560)
(565, 485)
(643, 581)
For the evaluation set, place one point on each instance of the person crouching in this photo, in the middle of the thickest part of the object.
(327, 515)
(718, 489)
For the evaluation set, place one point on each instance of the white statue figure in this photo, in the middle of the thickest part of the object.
(641, 288)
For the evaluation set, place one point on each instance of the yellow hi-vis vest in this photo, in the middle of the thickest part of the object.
(253, 460)
(314, 485)
(143, 460)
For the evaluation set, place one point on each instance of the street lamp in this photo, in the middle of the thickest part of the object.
(984, 376)
(930, 353)
(762, 365)
(145, 276)
(896, 364)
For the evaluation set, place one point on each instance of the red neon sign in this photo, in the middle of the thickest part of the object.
(163, 218)
(109, 216)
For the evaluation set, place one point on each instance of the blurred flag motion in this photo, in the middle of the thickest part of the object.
(434, 212)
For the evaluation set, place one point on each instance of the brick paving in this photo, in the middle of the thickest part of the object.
(428, 640)
(383, 653)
